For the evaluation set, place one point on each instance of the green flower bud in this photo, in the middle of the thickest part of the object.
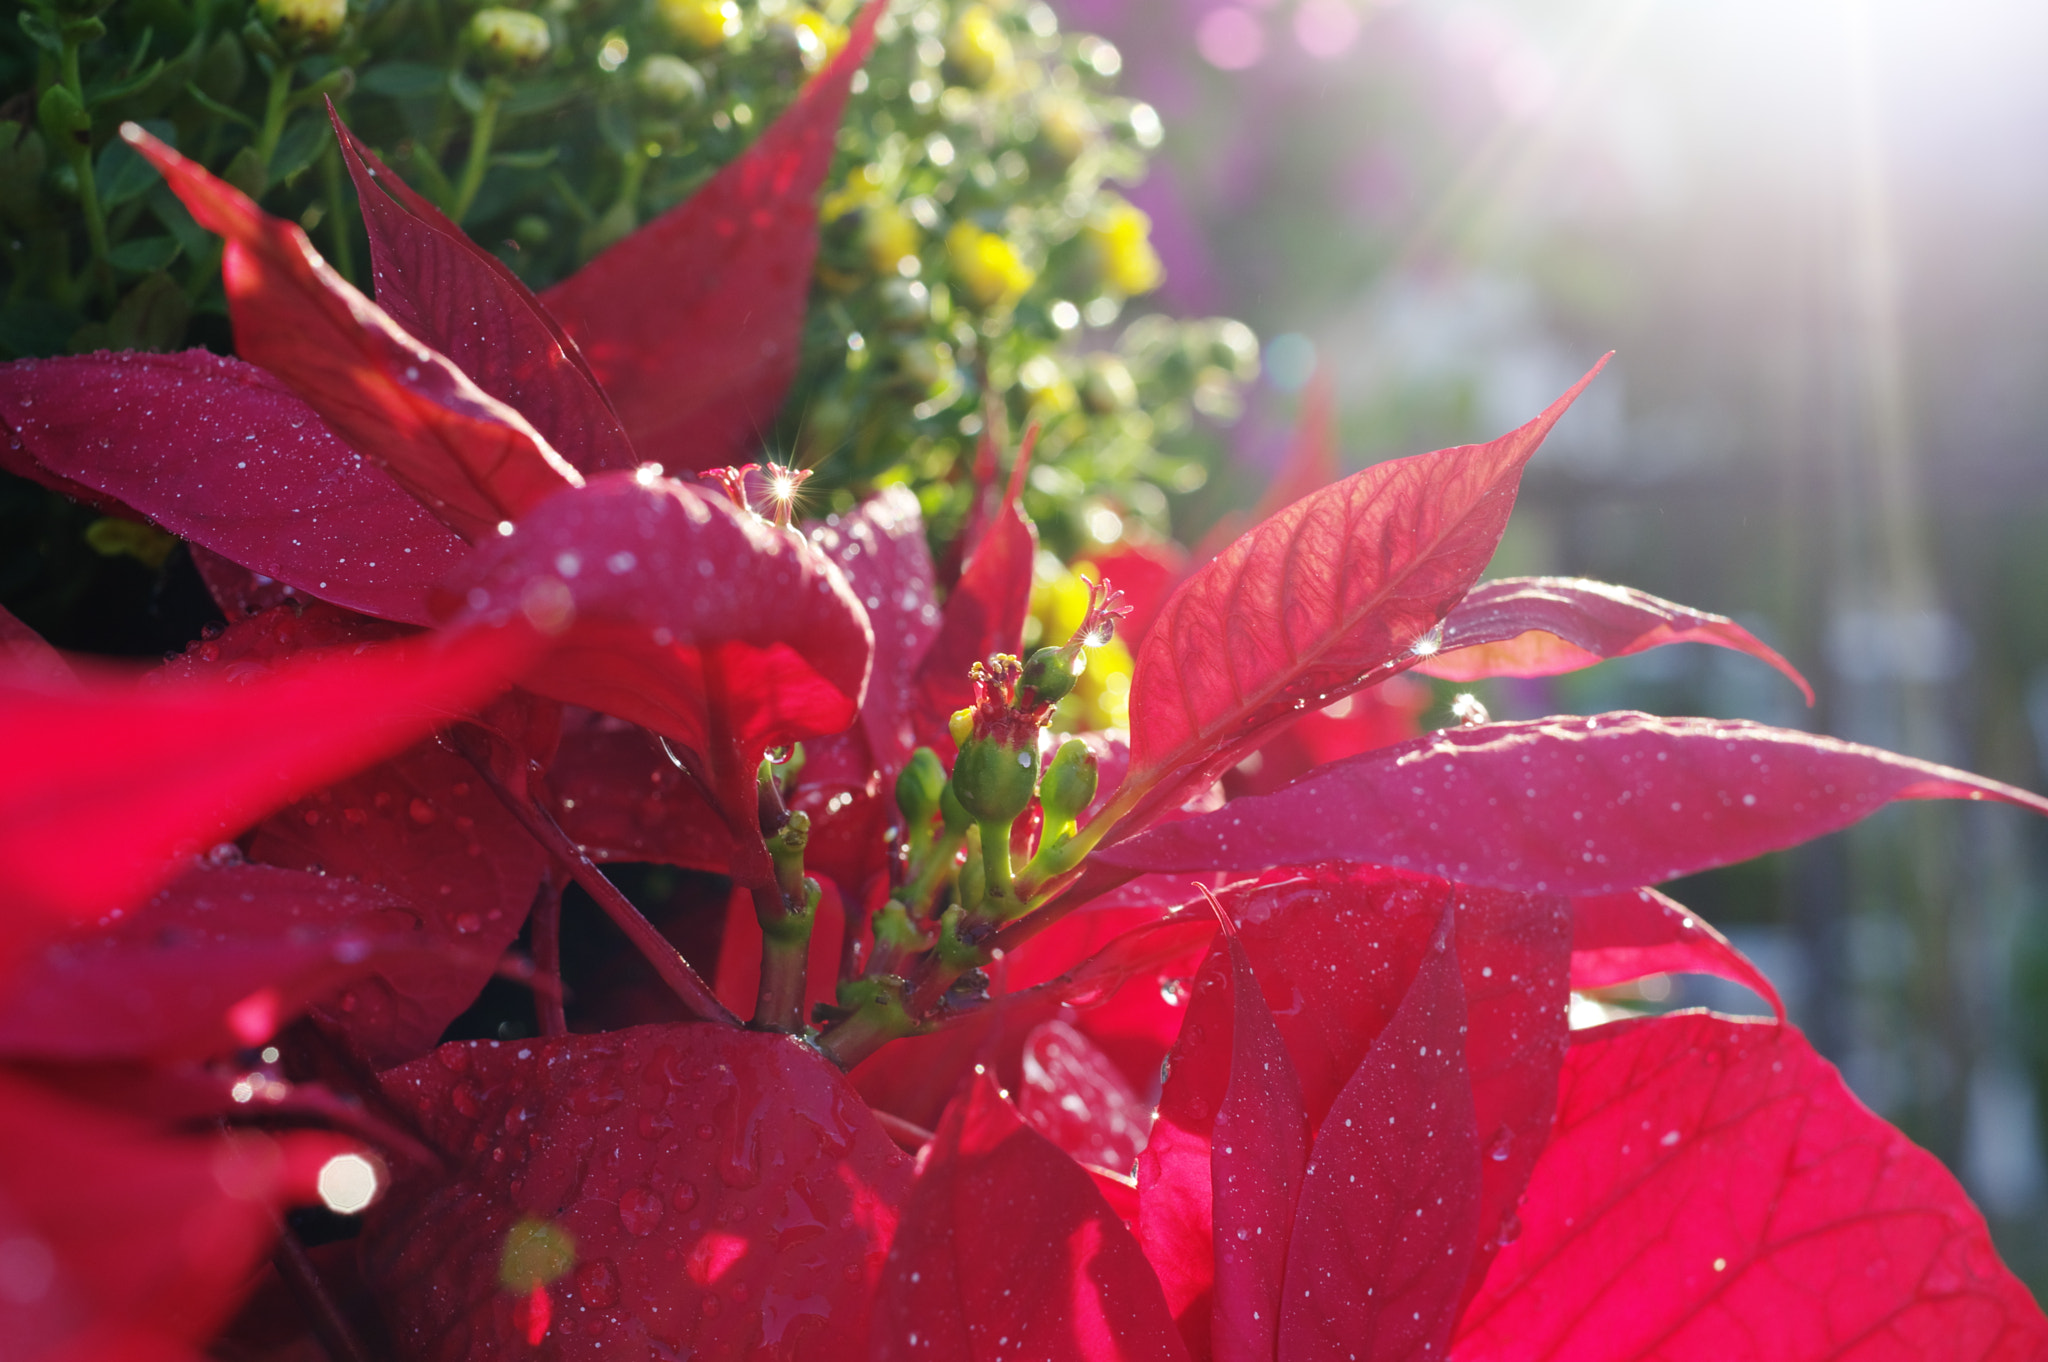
(509, 38)
(1050, 673)
(1070, 780)
(65, 120)
(304, 23)
(670, 81)
(920, 786)
(958, 820)
(995, 781)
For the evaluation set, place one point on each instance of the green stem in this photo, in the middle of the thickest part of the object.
(80, 155)
(275, 109)
(785, 956)
(481, 131)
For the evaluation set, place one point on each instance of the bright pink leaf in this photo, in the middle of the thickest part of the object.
(219, 961)
(466, 303)
(743, 1204)
(675, 611)
(1564, 806)
(469, 458)
(219, 452)
(1258, 1147)
(1391, 1204)
(693, 323)
(985, 612)
(1328, 595)
(1008, 1250)
(125, 1245)
(1540, 626)
(108, 787)
(1626, 935)
(1712, 1190)
(1073, 1095)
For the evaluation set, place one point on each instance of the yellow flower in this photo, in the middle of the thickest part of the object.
(818, 37)
(1122, 240)
(704, 24)
(1101, 694)
(985, 267)
(977, 50)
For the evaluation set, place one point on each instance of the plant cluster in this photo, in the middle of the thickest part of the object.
(1287, 1076)
(973, 257)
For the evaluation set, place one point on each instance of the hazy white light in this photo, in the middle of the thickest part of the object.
(348, 1183)
(1326, 28)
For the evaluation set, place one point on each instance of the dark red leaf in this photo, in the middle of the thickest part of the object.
(621, 798)
(1324, 597)
(109, 786)
(1391, 1204)
(469, 458)
(1626, 935)
(216, 962)
(466, 303)
(1564, 806)
(1540, 626)
(219, 452)
(675, 611)
(1258, 1148)
(1712, 1190)
(985, 612)
(693, 323)
(1008, 1250)
(742, 1204)
(1072, 1094)
(123, 1244)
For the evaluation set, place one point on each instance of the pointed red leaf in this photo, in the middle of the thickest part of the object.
(1626, 935)
(1324, 597)
(1540, 626)
(1008, 1250)
(1072, 1094)
(695, 1191)
(123, 1244)
(677, 612)
(880, 548)
(693, 323)
(1567, 805)
(985, 612)
(219, 452)
(1258, 1148)
(109, 786)
(26, 657)
(219, 961)
(461, 300)
(1712, 1190)
(1390, 1208)
(469, 458)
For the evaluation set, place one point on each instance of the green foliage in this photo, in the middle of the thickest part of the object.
(976, 261)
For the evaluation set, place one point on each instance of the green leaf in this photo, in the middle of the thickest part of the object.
(121, 174)
(41, 31)
(402, 79)
(300, 146)
(105, 94)
(191, 237)
(144, 254)
(467, 92)
(539, 97)
(539, 159)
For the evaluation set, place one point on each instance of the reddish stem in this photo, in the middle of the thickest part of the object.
(547, 956)
(323, 1313)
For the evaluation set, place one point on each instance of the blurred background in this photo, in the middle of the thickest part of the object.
(1816, 231)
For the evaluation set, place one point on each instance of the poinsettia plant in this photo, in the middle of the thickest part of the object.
(1286, 1076)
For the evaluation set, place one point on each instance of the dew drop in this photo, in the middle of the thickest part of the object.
(597, 1284)
(640, 1211)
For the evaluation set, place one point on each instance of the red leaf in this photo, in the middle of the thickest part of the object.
(123, 1244)
(880, 548)
(985, 612)
(219, 452)
(1378, 716)
(1073, 1095)
(1540, 626)
(25, 657)
(219, 961)
(742, 1204)
(1567, 805)
(1258, 1147)
(469, 458)
(621, 798)
(108, 787)
(1712, 1190)
(693, 323)
(1007, 1249)
(466, 303)
(1324, 597)
(1635, 932)
(676, 612)
(1389, 1209)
